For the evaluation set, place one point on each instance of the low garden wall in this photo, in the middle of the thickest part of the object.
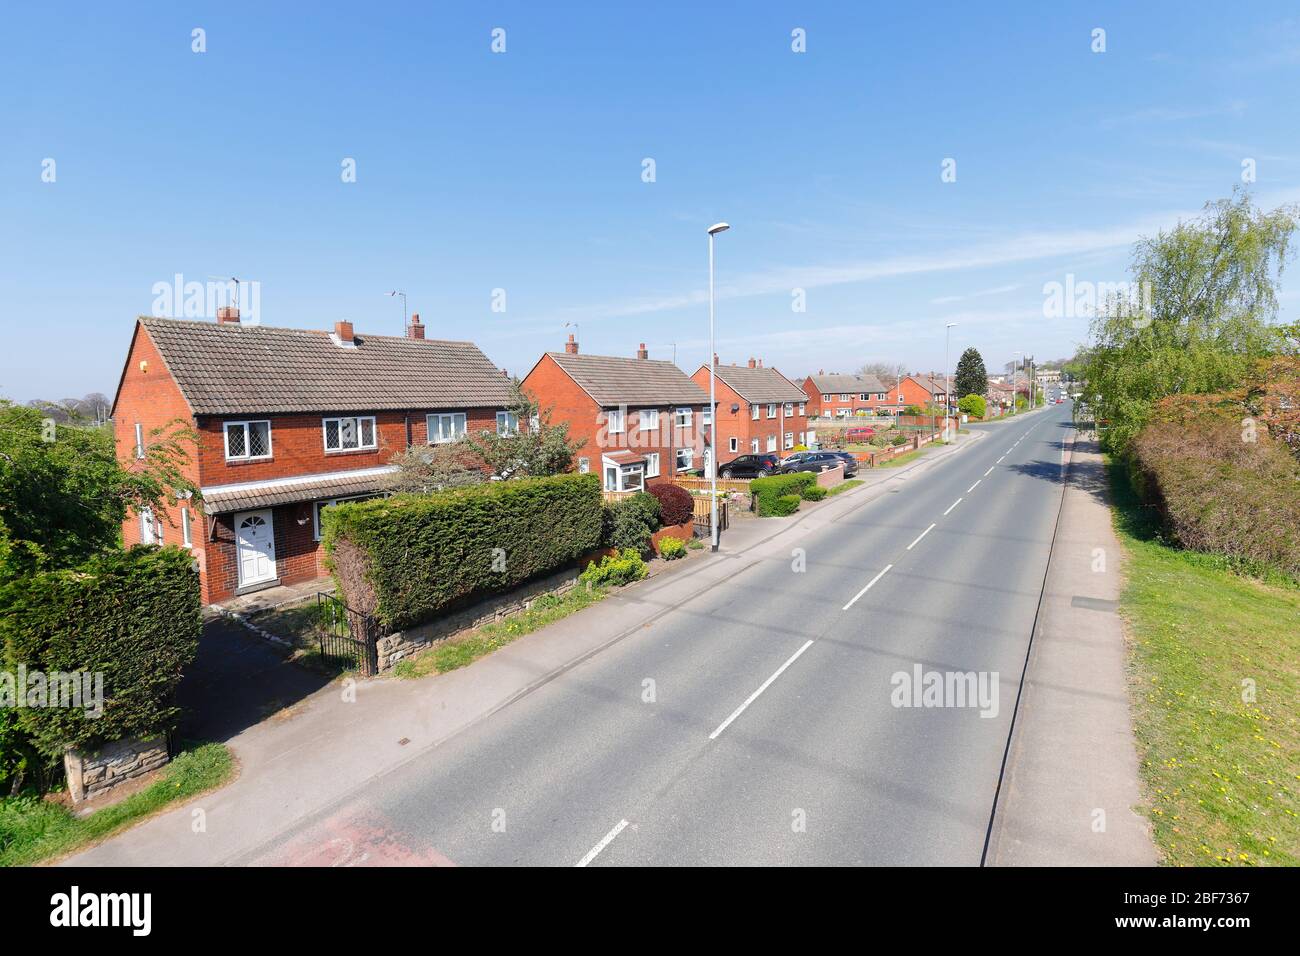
(92, 772)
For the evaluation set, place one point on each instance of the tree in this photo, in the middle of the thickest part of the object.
(973, 405)
(887, 372)
(427, 468)
(971, 378)
(1207, 296)
(531, 445)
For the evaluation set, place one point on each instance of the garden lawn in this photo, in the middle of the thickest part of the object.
(1215, 676)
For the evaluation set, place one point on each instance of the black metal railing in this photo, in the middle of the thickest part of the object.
(348, 638)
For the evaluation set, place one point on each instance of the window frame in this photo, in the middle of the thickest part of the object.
(648, 420)
(652, 457)
(615, 416)
(186, 539)
(755, 411)
(789, 441)
(690, 459)
(689, 416)
(503, 418)
(244, 424)
(139, 441)
(771, 409)
(788, 409)
(733, 444)
(455, 436)
(374, 433)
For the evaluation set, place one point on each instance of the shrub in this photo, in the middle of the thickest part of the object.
(675, 504)
(785, 505)
(973, 405)
(409, 558)
(813, 493)
(897, 440)
(695, 544)
(914, 410)
(629, 522)
(1218, 485)
(615, 569)
(768, 490)
(670, 549)
(133, 616)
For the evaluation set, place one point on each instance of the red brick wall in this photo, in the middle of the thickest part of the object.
(914, 394)
(741, 425)
(555, 392)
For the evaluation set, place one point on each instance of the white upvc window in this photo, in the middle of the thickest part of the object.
(753, 446)
(754, 411)
(863, 397)
(733, 444)
(614, 421)
(139, 440)
(683, 418)
(789, 440)
(649, 418)
(845, 397)
(322, 505)
(771, 443)
(247, 440)
(185, 528)
(803, 408)
(349, 434)
(584, 465)
(880, 396)
(624, 477)
(685, 459)
(443, 427)
(771, 409)
(706, 416)
(507, 423)
(826, 398)
(652, 465)
(150, 527)
(789, 409)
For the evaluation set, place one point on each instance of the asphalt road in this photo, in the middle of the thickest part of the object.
(757, 723)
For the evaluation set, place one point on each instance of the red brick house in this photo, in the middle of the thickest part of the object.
(643, 419)
(842, 396)
(759, 410)
(289, 421)
(923, 390)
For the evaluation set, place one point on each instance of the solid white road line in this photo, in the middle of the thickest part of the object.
(609, 838)
(919, 537)
(953, 505)
(986, 474)
(866, 589)
(754, 696)
(976, 485)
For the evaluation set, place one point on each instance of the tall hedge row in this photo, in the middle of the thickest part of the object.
(132, 615)
(409, 558)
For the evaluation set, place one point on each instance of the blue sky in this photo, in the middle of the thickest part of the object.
(522, 170)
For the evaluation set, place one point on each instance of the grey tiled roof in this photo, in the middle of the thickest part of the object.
(240, 369)
(222, 500)
(832, 384)
(759, 385)
(935, 386)
(615, 381)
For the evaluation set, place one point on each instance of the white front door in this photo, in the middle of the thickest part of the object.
(255, 541)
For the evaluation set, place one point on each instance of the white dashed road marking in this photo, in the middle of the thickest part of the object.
(919, 537)
(609, 838)
(867, 588)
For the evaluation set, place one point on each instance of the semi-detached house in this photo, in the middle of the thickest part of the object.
(641, 420)
(843, 396)
(759, 410)
(289, 421)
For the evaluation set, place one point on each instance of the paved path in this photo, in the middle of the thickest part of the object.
(740, 711)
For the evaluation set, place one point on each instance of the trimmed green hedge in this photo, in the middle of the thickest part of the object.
(409, 558)
(770, 490)
(133, 616)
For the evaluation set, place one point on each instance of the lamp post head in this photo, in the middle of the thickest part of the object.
(718, 227)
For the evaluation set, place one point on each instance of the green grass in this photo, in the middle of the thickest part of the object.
(33, 830)
(461, 651)
(844, 486)
(1219, 770)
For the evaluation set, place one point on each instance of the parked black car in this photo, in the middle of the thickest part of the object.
(816, 461)
(750, 466)
(850, 462)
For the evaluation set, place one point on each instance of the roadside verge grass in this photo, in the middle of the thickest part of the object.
(34, 830)
(1215, 676)
(844, 486)
(464, 650)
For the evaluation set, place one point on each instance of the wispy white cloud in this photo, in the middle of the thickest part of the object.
(998, 290)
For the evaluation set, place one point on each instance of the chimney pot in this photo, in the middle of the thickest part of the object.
(641, 352)
(760, 363)
(415, 330)
(343, 331)
(715, 358)
(571, 346)
(227, 315)
(751, 363)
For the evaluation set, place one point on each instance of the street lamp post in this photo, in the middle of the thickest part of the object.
(1015, 369)
(947, 387)
(712, 451)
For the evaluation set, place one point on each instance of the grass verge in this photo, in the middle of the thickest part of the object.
(843, 487)
(467, 648)
(33, 830)
(1214, 673)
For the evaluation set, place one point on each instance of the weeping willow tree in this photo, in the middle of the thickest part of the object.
(1198, 313)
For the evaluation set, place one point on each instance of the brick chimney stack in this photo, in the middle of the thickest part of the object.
(751, 364)
(415, 330)
(571, 346)
(228, 315)
(343, 331)
(760, 363)
(642, 352)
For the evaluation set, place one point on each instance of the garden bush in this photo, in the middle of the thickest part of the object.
(615, 569)
(411, 557)
(769, 490)
(973, 405)
(813, 493)
(784, 505)
(133, 616)
(670, 549)
(1218, 482)
(676, 506)
(629, 522)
